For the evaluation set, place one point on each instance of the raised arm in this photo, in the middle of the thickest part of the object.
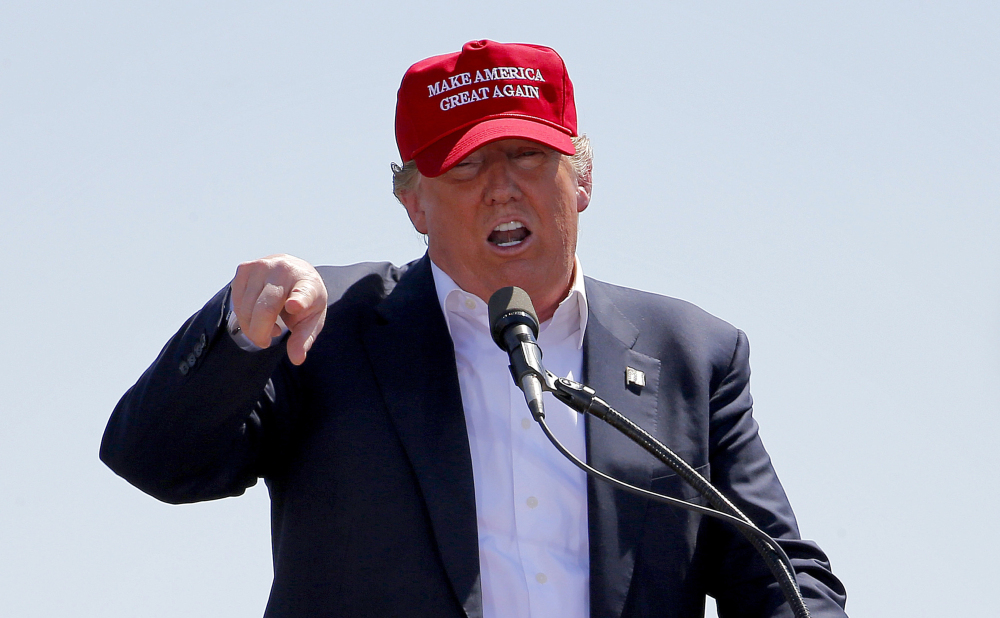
(194, 425)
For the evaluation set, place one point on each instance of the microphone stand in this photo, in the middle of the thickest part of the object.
(584, 400)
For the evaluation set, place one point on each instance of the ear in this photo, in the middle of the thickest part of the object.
(415, 210)
(583, 195)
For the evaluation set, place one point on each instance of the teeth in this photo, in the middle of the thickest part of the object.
(509, 244)
(507, 227)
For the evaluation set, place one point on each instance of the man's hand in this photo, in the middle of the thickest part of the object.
(280, 286)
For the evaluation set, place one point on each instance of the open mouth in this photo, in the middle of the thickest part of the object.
(509, 234)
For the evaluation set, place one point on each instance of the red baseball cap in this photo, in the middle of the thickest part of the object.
(450, 105)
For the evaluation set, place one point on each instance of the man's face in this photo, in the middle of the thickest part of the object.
(506, 215)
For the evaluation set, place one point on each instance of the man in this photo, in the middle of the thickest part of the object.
(405, 476)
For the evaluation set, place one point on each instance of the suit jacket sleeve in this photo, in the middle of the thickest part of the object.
(207, 419)
(191, 428)
(739, 580)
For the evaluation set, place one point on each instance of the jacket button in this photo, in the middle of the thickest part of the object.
(192, 359)
(184, 368)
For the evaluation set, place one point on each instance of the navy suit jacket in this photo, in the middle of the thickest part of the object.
(365, 453)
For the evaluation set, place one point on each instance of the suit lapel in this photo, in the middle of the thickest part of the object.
(615, 517)
(414, 362)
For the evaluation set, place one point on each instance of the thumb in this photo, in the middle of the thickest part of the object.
(304, 296)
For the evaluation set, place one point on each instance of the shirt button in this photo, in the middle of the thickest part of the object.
(525, 423)
(532, 502)
(470, 304)
(540, 578)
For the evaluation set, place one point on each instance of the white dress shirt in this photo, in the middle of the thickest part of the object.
(531, 503)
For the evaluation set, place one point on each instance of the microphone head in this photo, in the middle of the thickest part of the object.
(511, 305)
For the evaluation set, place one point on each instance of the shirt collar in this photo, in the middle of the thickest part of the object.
(570, 317)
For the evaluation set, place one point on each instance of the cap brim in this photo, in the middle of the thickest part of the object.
(448, 151)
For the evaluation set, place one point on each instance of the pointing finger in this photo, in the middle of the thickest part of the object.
(303, 336)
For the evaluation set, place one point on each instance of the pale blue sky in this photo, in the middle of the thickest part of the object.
(824, 175)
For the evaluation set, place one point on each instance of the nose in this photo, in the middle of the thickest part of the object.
(501, 183)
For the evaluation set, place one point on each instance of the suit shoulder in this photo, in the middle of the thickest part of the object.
(362, 283)
(669, 324)
(642, 308)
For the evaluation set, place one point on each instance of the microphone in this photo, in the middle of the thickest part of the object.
(514, 326)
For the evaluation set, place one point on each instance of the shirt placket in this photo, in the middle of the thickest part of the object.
(531, 502)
